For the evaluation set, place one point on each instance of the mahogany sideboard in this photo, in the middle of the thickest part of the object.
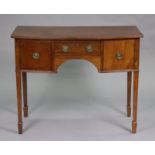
(109, 48)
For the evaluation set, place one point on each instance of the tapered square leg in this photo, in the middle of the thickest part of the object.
(24, 79)
(19, 102)
(135, 101)
(129, 83)
(25, 109)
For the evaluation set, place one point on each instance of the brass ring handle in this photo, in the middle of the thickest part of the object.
(89, 49)
(65, 48)
(35, 55)
(119, 56)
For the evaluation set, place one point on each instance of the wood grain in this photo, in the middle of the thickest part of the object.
(77, 47)
(135, 101)
(19, 101)
(76, 33)
(111, 48)
(129, 83)
(24, 79)
(59, 60)
(28, 47)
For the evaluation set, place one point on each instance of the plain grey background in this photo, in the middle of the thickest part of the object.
(78, 103)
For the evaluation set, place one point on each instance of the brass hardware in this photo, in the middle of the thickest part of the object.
(35, 55)
(89, 48)
(119, 56)
(65, 48)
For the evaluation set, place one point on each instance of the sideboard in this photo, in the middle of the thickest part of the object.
(110, 48)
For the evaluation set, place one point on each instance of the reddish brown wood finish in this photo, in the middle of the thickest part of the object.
(135, 102)
(106, 43)
(19, 101)
(136, 53)
(28, 48)
(18, 84)
(124, 47)
(59, 60)
(25, 108)
(129, 83)
(77, 48)
(76, 33)
(135, 86)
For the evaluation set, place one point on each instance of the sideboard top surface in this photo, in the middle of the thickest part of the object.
(80, 32)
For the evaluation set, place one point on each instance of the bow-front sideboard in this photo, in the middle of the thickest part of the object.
(109, 48)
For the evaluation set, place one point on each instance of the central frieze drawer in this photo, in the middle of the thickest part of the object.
(77, 48)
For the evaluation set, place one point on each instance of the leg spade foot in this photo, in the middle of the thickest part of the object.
(134, 127)
(20, 127)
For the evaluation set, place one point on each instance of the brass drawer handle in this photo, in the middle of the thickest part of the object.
(89, 49)
(35, 55)
(65, 48)
(119, 56)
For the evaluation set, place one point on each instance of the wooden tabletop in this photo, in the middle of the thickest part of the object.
(80, 32)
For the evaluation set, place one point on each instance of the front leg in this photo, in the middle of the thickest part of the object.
(135, 101)
(19, 101)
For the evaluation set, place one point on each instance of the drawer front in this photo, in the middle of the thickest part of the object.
(35, 55)
(76, 48)
(118, 55)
